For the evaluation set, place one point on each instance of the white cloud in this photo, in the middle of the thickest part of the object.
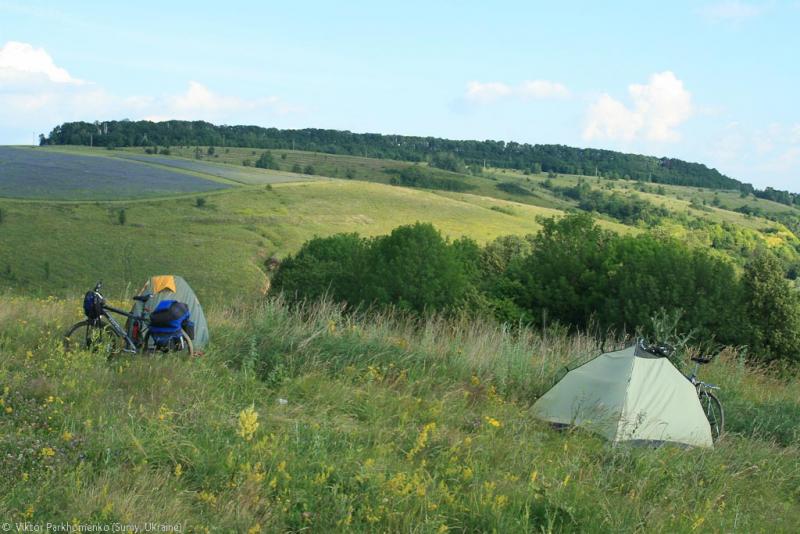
(543, 89)
(658, 108)
(35, 93)
(486, 92)
(199, 99)
(21, 63)
(731, 11)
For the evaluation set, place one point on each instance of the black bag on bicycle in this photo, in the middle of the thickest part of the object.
(168, 319)
(92, 306)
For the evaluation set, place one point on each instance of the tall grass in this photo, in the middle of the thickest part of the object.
(311, 419)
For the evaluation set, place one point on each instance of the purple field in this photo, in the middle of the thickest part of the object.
(40, 174)
(244, 175)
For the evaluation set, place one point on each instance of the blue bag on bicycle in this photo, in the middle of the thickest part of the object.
(168, 318)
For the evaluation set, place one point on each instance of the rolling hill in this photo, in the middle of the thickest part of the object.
(309, 418)
(247, 214)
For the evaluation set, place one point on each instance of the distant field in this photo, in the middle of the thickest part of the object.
(221, 246)
(41, 174)
(243, 175)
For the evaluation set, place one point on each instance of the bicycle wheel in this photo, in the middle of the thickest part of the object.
(180, 344)
(95, 336)
(713, 409)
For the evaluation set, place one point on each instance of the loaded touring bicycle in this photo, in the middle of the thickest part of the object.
(157, 322)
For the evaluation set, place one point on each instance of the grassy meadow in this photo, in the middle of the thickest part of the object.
(312, 420)
(51, 248)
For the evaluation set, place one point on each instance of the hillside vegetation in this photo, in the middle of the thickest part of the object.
(385, 425)
(548, 158)
(220, 246)
(336, 417)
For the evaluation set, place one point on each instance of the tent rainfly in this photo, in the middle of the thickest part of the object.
(172, 287)
(628, 396)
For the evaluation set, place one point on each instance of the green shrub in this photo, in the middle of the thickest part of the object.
(266, 161)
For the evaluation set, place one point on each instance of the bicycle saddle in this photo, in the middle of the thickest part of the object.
(143, 298)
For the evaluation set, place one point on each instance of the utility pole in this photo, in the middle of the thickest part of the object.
(91, 140)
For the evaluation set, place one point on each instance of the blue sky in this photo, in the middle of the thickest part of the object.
(715, 82)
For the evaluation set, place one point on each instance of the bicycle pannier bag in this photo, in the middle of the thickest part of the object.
(168, 318)
(92, 306)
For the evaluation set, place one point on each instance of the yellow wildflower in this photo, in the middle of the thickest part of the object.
(255, 529)
(492, 421)
(66, 436)
(422, 439)
(248, 423)
(47, 452)
(207, 497)
(9, 409)
(466, 473)
(178, 470)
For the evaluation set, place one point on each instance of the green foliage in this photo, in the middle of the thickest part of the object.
(329, 266)
(445, 152)
(773, 310)
(418, 177)
(572, 272)
(447, 161)
(563, 278)
(266, 161)
(122, 217)
(580, 275)
(414, 268)
(309, 169)
(627, 209)
(513, 189)
(200, 202)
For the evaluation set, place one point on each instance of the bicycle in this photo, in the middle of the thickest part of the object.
(711, 404)
(102, 333)
(708, 400)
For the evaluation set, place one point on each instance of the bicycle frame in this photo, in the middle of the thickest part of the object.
(699, 384)
(130, 344)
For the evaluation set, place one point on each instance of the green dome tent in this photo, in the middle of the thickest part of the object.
(628, 395)
(172, 287)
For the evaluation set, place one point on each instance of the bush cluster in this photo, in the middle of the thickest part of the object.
(572, 272)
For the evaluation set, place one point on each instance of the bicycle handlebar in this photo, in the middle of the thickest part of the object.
(662, 349)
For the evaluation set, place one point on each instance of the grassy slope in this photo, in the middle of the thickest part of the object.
(53, 247)
(218, 247)
(387, 428)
